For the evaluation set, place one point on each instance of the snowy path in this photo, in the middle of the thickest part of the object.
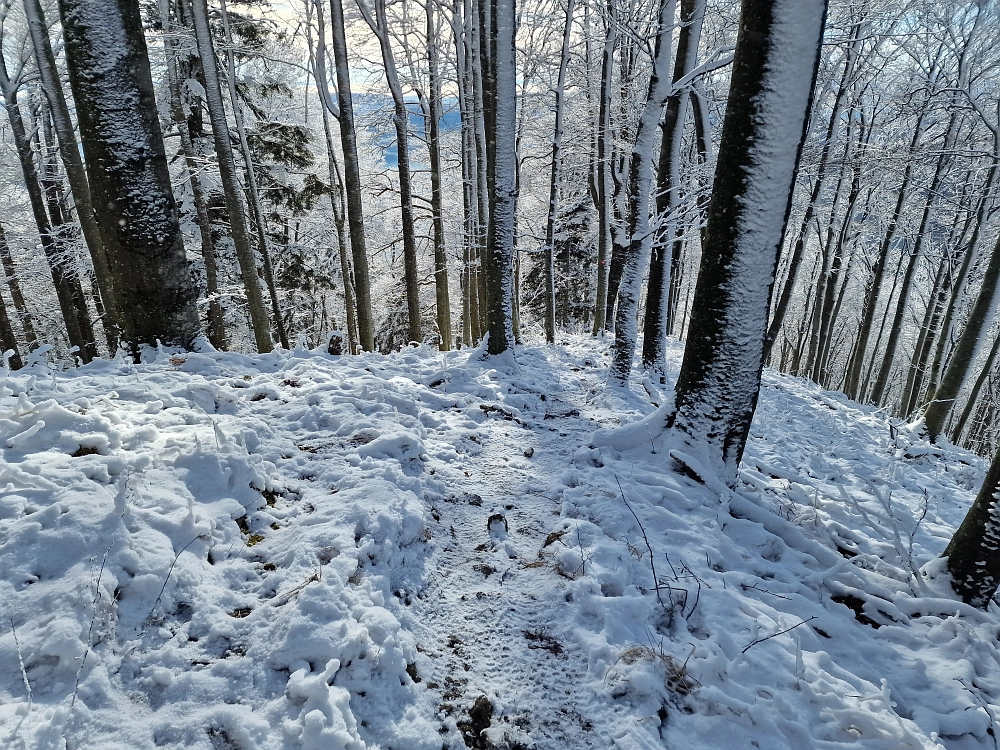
(492, 619)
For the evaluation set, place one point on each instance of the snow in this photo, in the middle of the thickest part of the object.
(295, 550)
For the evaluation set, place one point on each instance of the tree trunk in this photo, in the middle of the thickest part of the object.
(400, 120)
(974, 553)
(500, 87)
(965, 351)
(665, 256)
(925, 338)
(548, 264)
(433, 131)
(604, 182)
(230, 182)
(639, 236)
(216, 320)
(127, 170)
(256, 209)
(63, 286)
(959, 286)
(470, 195)
(337, 200)
(75, 171)
(63, 234)
(976, 388)
(16, 293)
(480, 70)
(785, 297)
(882, 381)
(8, 340)
(774, 72)
(352, 178)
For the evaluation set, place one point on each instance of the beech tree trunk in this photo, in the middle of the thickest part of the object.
(86, 210)
(8, 340)
(400, 119)
(605, 186)
(433, 131)
(965, 351)
(974, 551)
(638, 238)
(853, 386)
(352, 178)
(65, 289)
(127, 169)
(230, 182)
(254, 204)
(216, 321)
(774, 72)
(500, 88)
(555, 175)
(16, 293)
(668, 183)
(798, 249)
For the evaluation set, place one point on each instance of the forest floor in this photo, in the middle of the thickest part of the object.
(432, 550)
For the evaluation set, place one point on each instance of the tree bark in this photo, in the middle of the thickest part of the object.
(500, 87)
(965, 351)
(8, 340)
(230, 182)
(63, 286)
(433, 131)
(216, 321)
(959, 285)
(16, 293)
(856, 364)
(666, 254)
(974, 551)
(254, 204)
(882, 381)
(555, 176)
(803, 235)
(127, 170)
(352, 178)
(605, 185)
(774, 73)
(76, 174)
(337, 199)
(401, 121)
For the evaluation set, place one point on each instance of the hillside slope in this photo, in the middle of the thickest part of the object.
(429, 550)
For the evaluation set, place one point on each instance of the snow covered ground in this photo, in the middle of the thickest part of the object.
(428, 550)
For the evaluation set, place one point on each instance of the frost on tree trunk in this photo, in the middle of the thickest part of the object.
(231, 188)
(636, 244)
(76, 174)
(129, 182)
(352, 178)
(773, 75)
(8, 341)
(974, 552)
(501, 133)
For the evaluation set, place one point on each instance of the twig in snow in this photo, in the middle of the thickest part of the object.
(283, 598)
(755, 641)
(656, 581)
(583, 558)
(978, 695)
(20, 661)
(90, 631)
(164, 586)
(763, 591)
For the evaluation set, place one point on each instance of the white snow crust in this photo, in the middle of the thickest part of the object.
(295, 550)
